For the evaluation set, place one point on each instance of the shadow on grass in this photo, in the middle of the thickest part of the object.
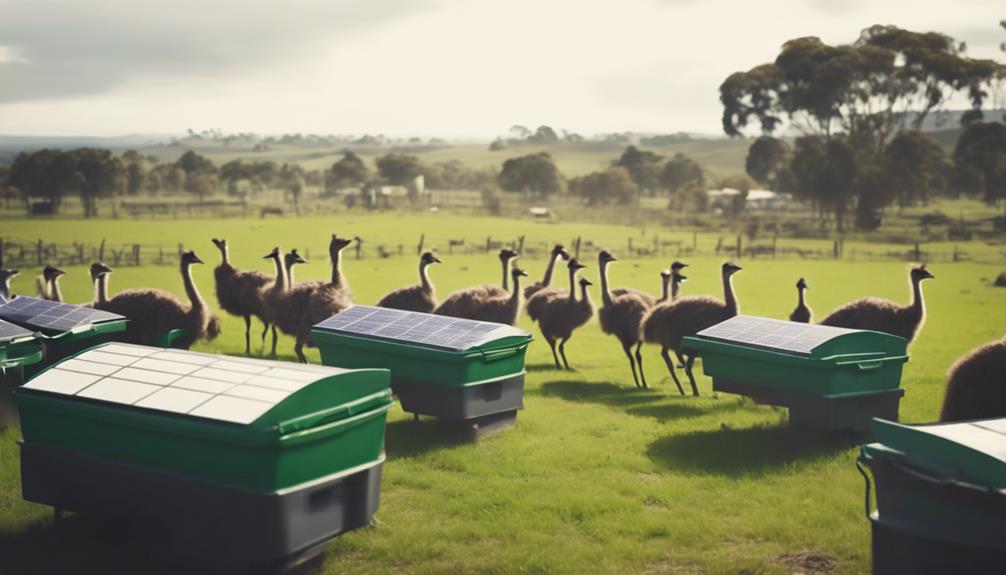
(85, 545)
(408, 437)
(535, 367)
(755, 450)
(663, 405)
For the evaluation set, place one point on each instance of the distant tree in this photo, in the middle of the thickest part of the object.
(38, 175)
(768, 161)
(915, 169)
(399, 170)
(681, 171)
(101, 175)
(348, 171)
(863, 89)
(136, 177)
(644, 167)
(194, 163)
(497, 145)
(613, 185)
(534, 174)
(824, 170)
(202, 184)
(291, 177)
(519, 132)
(980, 161)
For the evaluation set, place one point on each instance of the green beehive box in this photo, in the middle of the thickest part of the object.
(831, 378)
(940, 496)
(19, 349)
(443, 366)
(246, 423)
(63, 328)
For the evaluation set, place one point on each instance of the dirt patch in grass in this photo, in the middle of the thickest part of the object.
(807, 562)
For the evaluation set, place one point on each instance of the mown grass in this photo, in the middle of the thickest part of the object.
(597, 476)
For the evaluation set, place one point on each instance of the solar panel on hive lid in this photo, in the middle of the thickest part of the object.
(10, 332)
(51, 316)
(442, 332)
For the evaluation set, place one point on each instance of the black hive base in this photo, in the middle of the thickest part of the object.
(9, 380)
(206, 524)
(897, 550)
(851, 412)
(485, 406)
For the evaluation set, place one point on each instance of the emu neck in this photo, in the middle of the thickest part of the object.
(190, 288)
(605, 294)
(337, 280)
(664, 285)
(281, 281)
(918, 304)
(584, 295)
(506, 272)
(515, 295)
(572, 284)
(801, 297)
(549, 269)
(225, 254)
(54, 292)
(424, 277)
(728, 294)
(101, 289)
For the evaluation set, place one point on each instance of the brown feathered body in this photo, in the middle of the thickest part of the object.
(668, 323)
(503, 308)
(154, 312)
(976, 384)
(421, 297)
(876, 314)
(468, 302)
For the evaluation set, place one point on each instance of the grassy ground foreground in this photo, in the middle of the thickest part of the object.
(597, 476)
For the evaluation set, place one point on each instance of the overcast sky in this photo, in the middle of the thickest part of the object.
(455, 68)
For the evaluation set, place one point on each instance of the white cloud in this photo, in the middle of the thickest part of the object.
(455, 68)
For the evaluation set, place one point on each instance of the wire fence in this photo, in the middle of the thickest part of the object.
(18, 253)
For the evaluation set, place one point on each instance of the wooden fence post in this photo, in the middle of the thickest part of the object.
(740, 246)
(422, 240)
(918, 252)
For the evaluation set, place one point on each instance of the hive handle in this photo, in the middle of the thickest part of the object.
(866, 476)
(498, 354)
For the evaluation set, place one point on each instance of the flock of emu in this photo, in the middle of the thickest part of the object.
(976, 388)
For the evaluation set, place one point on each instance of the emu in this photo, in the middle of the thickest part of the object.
(621, 315)
(153, 312)
(668, 323)
(240, 292)
(876, 314)
(421, 297)
(976, 384)
(563, 315)
(802, 313)
(557, 252)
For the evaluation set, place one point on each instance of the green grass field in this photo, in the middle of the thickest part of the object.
(597, 476)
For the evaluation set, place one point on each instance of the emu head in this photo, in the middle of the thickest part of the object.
(558, 250)
(99, 269)
(802, 284)
(730, 268)
(604, 257)
(190, 257)
(273, 255)
(920, 273)
(51, 272)
(428, 258)
(678, 266)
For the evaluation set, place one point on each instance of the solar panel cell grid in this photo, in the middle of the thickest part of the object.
(773, 334)
(45, 314)
(235, 390)
(413, 327)
(9, 331)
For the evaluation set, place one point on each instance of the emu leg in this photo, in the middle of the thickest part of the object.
(681, 360)
(299, 348)
(632, 363)
(265, 330)
(551, 343)
(691, 378)
(562, 351)
(247, 335)
(639, 360)
(670, 368)
(274, 338)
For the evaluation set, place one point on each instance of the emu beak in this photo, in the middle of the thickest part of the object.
(436, 260)
(196, 260)
(587, 282)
